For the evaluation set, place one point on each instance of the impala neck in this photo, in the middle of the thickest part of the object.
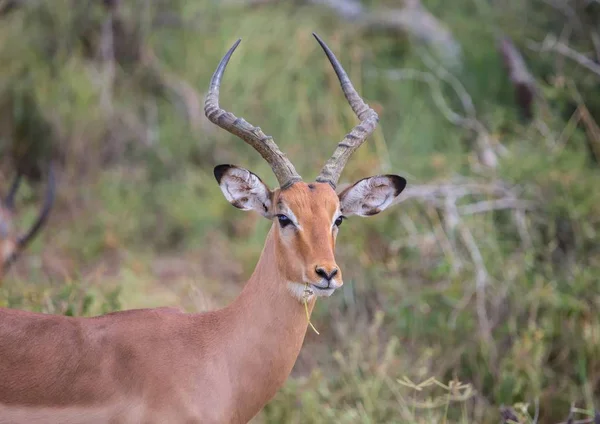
(267, 330)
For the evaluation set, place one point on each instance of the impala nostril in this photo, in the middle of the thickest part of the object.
(322, 272)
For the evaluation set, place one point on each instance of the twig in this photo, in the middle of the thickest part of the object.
(551, 43)
(497, 204)
(347, 9)
(481, 282)
(107, 56)
(521, 223)
(412, 18)
(7, 6)
(485, 151)
(571, 417)
(591, 127)
(435, 193)
(522, 80)
(443, 74)
(436, 91)
(446, 197)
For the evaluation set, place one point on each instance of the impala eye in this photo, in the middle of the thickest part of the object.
(284, 221)
(339, 220)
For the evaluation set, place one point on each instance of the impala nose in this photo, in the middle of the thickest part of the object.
(324, 273)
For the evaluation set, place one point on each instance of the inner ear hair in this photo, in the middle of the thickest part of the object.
(370, 196)
(244, 189)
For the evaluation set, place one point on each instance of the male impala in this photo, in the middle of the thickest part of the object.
(166, 366)
(11, 244)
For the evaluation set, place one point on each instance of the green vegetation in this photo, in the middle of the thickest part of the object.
(505, 300)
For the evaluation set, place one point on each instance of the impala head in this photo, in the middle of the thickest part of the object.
(11, 243)
(306, 216)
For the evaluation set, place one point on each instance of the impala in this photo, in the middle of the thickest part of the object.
(166, 366)
(11, 243)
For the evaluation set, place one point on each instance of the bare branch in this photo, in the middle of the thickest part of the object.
(551, 43)
(591, 126)
(456, 189)
(107, 56)
(412, 18)
(446, 196)
(522, 80)
(481, 282)
(347, 9)
(487, 151)
(7, 6)
(494, 205)
(444, 75)
(436, 92)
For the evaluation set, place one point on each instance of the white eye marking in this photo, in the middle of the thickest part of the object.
(336, 216)
(284, 210)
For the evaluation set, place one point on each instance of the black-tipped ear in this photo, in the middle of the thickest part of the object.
(371, 195)
(398, 182)
(220, 170)
(244, 189)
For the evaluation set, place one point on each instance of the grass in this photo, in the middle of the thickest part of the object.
(140, 221)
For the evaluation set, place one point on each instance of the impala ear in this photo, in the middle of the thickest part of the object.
(244, 189)
(371, 195)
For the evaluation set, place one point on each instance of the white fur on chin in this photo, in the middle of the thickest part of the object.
(298, 291)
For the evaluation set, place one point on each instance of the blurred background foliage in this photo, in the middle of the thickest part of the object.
(487, 272)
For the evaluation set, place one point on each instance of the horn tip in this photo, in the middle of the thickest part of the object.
(232, 48)
(319, 40)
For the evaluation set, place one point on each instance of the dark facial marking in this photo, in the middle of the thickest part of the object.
(311, 186)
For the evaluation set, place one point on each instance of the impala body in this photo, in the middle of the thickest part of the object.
(165, 366)
(11, 243)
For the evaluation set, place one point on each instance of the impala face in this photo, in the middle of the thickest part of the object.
(307, 216)
(306, 220)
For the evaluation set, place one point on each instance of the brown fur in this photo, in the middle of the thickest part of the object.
(165, 366)
(160, 365)
(314, 245)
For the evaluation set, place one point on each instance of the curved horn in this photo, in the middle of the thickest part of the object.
(44, 213)
(282, 167)
(368, 121)
(9, 202)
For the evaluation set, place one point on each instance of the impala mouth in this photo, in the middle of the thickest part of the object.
(324, 287)
(320, 291)
(306, 291)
